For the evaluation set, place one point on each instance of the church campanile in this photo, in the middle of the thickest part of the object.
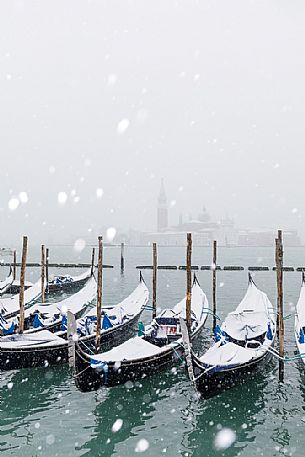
(162, 214)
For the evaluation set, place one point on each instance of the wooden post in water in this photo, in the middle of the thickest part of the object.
(92, 261)
(189, 281)
(280, 310)
(22, 280)
(42, 272)
(14, 264)
(122, 257)
(214, 282)
(154, 299)
(47, 270)
(99, 294)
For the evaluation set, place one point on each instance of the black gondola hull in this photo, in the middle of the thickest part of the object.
(37, 356)
(213, 382)
(87, 378)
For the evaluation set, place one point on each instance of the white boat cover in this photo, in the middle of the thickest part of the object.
(6, 283)
(135, 348)
(251, 317)
(131, 305)
(74, 303)
(300, 321)
(229, 354)
(300, 307)
(43, 338)
(11, 304)
(86, 274)
(198, 303)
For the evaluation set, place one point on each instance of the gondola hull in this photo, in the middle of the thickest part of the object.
(39, 356)
(14, 359)
(87, 378)
(67, 286)
(218, 379)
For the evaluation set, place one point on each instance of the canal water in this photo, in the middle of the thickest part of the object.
(43, 414)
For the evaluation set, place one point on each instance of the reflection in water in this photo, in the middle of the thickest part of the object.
(236, 409)
(134, 404)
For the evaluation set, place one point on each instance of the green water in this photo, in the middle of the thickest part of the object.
(43, 414)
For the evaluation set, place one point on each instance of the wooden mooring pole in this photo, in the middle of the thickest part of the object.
(280, 311)
(42, 272)
(92, 261)
(189, 281)
(214, 282)
(99, 294)
(14, 264)
(22, 280)
(154, 299)
(47, 270)
(122, 258)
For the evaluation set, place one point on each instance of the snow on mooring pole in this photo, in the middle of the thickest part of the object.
(42, 272)
(99, 294)
(188, 281)
(92, 261)
(22, 280)
(214, 282)
(280, 320)
(154, 300)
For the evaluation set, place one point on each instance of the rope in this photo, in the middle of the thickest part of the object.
(177, 354)
(209, 311)
(285, 359)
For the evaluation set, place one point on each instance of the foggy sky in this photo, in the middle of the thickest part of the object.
(213, 92)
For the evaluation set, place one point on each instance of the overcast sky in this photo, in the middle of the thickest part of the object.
(113, 95)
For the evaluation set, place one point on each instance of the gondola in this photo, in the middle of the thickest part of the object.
(157, 348)
(300, 321)
(51, 316)
(45, 348)
(241, 344)
(9, 306)
(66, 282)
(6, 283)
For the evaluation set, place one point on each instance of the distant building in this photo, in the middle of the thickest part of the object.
(162, 210)
(266, 237)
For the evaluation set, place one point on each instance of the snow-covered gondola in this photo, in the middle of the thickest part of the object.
(6, 283)
(241, 344)
(300, 321)
(157, 348)
(9, 306)
(45, 348)
(64, 282)
(51, 316)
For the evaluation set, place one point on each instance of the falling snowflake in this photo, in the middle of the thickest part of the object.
(23, 197)
(224, 438)
(79, 245)
(117, 425)
(142, 445)
(110, 234)
(62, 198)
(99, 192)
(122, 126)
(13, 204)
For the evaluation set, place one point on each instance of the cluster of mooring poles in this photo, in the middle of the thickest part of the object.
(44, 274)
(279, 275)
(45, 281)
